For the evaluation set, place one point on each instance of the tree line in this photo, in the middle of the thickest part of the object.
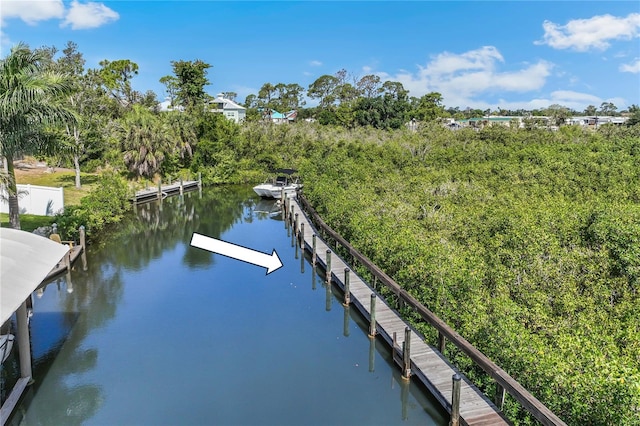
(524, 240)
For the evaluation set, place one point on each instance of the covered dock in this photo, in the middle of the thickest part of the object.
(26, 259)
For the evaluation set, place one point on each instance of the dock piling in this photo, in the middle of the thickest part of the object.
(159, 188)
(83, 237)
(455, 401)
(347, 291)
(372, 322)
(301, 236)
(406, 354)
(328, 271)
(313, 251)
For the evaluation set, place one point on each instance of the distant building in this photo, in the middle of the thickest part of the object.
(279, 117)
(220, 105)
(228, 108)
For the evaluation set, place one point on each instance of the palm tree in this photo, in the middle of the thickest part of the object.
(144, 142)
(28, 103)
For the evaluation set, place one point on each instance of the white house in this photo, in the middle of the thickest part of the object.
(221, 105)
(228, 108)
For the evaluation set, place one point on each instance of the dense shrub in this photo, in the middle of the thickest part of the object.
(104, 205)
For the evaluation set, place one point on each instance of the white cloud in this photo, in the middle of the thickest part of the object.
(88, 15)
(461, 78)
(633, 67)
(79, 15)
(315, 63)
(593, 33)
(32, 12)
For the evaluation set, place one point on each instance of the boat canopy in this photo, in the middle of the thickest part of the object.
(285, 171)
(25, 261)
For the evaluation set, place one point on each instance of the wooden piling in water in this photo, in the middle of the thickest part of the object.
(181, 187)
(455, 401)
(406, 354)
(301, 236)
(372, 314)
(347, 291)
(83, 238)
(159, 188)
(328, 271)
(313, 251)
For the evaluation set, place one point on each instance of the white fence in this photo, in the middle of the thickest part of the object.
(33, 199)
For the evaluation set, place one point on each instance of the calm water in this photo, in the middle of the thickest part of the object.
(157, 332)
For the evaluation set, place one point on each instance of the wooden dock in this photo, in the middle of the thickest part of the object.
(66, 263)
(163, 191)
(427, 363)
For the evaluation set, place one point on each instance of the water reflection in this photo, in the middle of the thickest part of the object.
(156, 332)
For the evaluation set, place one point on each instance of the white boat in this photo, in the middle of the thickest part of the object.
(6, 344)
(274, 188)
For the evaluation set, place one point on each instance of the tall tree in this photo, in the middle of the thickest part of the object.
(608, 108)
(323, 89)
(191, 79)
(29, 101)
(72, 64)
(116, 77)
(428, 107)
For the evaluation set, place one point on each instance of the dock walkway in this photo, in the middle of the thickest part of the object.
(427, 364)
(150, 194)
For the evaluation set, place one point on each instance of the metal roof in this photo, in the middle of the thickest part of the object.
(25, 260)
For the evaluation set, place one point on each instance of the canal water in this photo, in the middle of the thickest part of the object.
(156, 332)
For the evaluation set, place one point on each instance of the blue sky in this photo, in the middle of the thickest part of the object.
(508, 54)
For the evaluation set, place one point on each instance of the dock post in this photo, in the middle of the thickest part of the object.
(441, 342)
(406, 354)
(24, 343)
(302, 236)
(295, 226)
(83, 238)
(347, 291)
(181, 187)
(199, 179)
(313, 250)
(291, 214)
(372, 322)
(500, 393)
(372, 355)
(345, 321)
(67, 259)
(327, 298)
(159, 188)
(455, 401)
(328, 267)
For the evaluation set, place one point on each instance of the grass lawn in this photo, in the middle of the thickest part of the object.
(64, 179)
(28, 222)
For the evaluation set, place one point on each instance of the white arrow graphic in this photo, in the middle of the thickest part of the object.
(234, 251)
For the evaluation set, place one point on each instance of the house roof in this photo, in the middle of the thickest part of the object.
(25, 261)
(227, 103)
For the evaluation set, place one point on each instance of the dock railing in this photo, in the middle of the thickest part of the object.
(504, 382)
